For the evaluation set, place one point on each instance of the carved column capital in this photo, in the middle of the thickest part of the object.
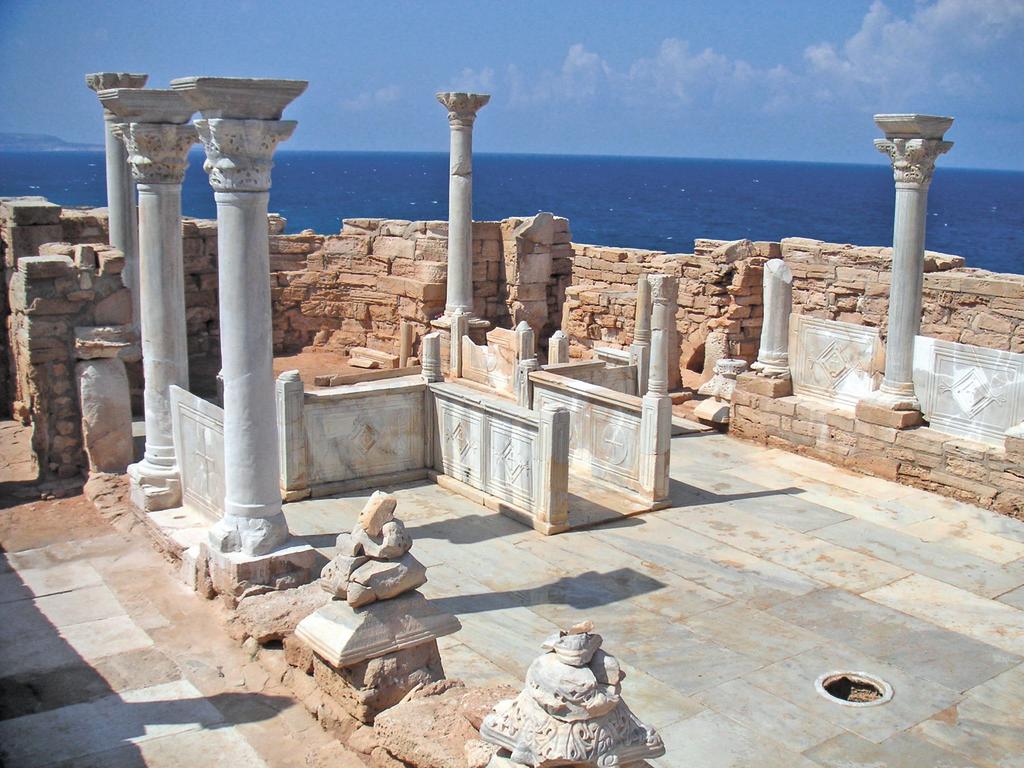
(104, 81)
(157, 152)
(664, 288)
(462, 107)
(239, 153)
(913, 160)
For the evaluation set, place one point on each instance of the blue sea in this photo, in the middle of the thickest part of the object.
(659, 203)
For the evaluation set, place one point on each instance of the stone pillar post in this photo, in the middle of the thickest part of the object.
(773, 355)
(640, 349)
(558, 348)
(656, 413)
(552, 470)
(526, 361)
(462, 109)
(430, 348)
(458, 326)
(912, 142)
(157, 137)
(240, 129)
(122, 220)
(291, 430)
(430, 351)
(405, 336)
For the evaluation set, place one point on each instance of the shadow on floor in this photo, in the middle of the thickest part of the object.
(57, 708)
(586, 590)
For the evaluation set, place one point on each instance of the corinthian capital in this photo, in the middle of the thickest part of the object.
(239, 152)
(913, 160)
(157, 152)
(664, 288)
(462, 107)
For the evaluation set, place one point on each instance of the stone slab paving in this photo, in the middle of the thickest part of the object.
(769, 570)
(106, 659)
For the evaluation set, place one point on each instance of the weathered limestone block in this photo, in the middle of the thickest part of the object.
(106, 414)
(367, 688)
(571, 712)
(275, 615)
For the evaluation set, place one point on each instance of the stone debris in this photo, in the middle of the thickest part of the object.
(373, 561)
(571, 711)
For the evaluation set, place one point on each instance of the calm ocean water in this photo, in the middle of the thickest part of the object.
(641, 202)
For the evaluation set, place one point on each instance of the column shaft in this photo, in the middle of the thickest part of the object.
(773, 354)
(250, 428)
(162, 303)
(460, 222)
(905, 291)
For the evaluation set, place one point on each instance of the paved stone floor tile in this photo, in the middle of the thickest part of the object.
(62, 577)
(82, 729)
(989, 546)
(1004, 692)
(955, 609)
(752, 632)
(946, 657)
(1014, 597)
(94, 640)
(914, 699)
(712, 740)
(903, 749)
(986, 735)
(764, 712)
(801, 552)
(937, 560)
(76, 606)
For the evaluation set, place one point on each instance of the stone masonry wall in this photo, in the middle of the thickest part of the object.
(719, 305)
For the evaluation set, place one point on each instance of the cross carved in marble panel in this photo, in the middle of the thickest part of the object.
(206, 464)
(614, 444)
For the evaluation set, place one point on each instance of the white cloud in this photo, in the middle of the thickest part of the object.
(372, 99)
(472, 81)
(929, 51)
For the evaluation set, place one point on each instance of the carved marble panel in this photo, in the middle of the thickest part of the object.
(969, 391)
(198, 429)
(493, 365)
(510, 475)
(378, 431)
(832, 361)
(603, 438)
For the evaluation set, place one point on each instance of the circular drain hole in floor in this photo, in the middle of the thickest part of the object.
(854, 689)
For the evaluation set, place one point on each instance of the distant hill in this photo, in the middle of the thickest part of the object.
(41, 142)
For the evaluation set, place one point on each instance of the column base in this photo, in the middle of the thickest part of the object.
(235, 575)
(770, 371)
(153, 488)
(893, 401)
(249, 536)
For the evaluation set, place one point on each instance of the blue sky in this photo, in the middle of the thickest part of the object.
(796, 80)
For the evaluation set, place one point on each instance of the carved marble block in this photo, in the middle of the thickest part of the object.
(969, 391)
(836, 362)
(493, 365)
(723, 383)
(198, 428)
(571, 711)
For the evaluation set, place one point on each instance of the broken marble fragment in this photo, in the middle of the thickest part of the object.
(571, 710)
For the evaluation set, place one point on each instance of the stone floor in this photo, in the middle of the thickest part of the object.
(769, 571)
(106, 659)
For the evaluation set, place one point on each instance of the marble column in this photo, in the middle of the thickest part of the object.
(240, 128)
(462, 109)
(656, 405)
(526, 363)
(640, 349)
(773, 355)
(157, 137)
(122, 221)
(912, 142)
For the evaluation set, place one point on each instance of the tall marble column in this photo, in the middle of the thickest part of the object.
(912, 142)
(640, 349)
(240, 128)
(773, 354)
(157, 136)
(462, 109)
(122, 221)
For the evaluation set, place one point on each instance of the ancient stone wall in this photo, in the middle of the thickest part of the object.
(719, 305)
(53, 295)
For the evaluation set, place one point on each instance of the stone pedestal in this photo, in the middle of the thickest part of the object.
(235, 575)
(240, 129)
(912, 142)
(558, 348)
(122, 220)
(157, 138)
(764, 385)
